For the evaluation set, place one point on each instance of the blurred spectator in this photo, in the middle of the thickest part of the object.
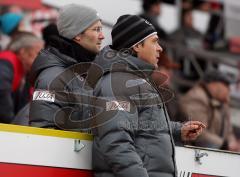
(9, 25)
(15, 63)
(48, 32)
(187, 34)
(151, 12)
(208, 102)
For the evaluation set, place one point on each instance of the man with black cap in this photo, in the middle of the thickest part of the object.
(133, 134)
(55, 69)
(209, 102)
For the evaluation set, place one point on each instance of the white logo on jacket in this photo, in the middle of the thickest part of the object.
(43, 95)
(118, 105)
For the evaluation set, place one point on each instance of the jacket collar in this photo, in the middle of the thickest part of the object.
(71, 49)
(108, 57)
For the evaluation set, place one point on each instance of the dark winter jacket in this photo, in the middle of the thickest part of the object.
(59, 79)
(133, 135)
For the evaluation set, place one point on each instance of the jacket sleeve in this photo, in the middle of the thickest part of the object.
(116, 136)
(22, 117)
(176, 131)
(6, 101)
(68, 103)
(42, 112)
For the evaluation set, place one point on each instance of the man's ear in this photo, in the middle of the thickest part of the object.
(22, 52)
(136, 48)
(77, 38)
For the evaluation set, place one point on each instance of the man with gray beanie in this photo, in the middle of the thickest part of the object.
(58, 68)
(133, 135)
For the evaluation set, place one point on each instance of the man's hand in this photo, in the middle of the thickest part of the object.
(191, 130)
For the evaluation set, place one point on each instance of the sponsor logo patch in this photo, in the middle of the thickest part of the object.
(43, 95)
(118, 105)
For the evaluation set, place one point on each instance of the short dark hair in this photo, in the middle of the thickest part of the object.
(146, 4)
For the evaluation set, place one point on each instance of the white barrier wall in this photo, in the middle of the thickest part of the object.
(27, 151)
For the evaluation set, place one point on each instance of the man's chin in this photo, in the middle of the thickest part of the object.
(98, 50)
(99, 47)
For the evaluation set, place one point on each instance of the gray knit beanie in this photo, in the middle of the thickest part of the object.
(74, 19)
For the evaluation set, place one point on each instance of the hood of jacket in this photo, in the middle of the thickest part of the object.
(62, 53)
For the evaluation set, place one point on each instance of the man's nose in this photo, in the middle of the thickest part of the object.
(159, 48)
(101, 35)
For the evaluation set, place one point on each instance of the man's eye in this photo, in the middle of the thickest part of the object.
(98, 29)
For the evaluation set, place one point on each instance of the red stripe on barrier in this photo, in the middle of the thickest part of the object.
(202, 175)
(19, 170)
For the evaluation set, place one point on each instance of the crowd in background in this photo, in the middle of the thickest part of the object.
(207, 98)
